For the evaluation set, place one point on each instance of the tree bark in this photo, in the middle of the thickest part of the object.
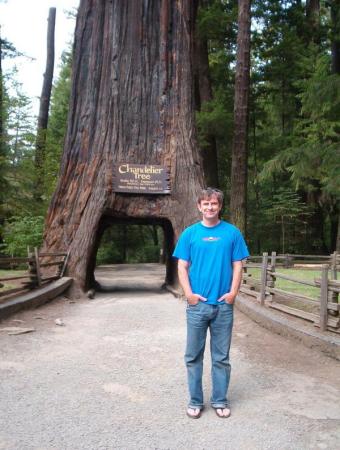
(238, 192)
(335, 48)
(40, 145)
(334, 230)
(131, 101)
(203, 93)
(335, 16)
(313, 19)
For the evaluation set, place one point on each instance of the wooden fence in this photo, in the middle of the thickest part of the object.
(325, 309)
(35, 265)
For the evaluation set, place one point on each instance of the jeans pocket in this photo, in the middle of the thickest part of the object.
(190, 306)
(227, 305)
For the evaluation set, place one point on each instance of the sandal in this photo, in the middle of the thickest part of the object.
(194, 414)
(219, 412)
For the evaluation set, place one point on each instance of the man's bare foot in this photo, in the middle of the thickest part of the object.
(194, 413)
(223, 413)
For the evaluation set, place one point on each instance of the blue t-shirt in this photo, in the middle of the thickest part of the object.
(211, 252)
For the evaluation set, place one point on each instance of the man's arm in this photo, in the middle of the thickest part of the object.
(183, 276)
(230, 296)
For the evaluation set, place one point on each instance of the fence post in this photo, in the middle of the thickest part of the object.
(245, 270)
(37, 266)
(263, 277)
(324, 298)
(271, 279)
(334, 276)
(288, 261)
(31, 268)
(63, 267)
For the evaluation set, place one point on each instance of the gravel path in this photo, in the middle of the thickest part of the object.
(113, 378)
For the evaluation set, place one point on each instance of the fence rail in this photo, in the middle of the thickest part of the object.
(33, 276)
(325, 309)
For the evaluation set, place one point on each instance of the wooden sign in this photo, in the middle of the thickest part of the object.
(141, 179)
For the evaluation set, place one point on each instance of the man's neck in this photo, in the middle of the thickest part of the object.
(208, 223)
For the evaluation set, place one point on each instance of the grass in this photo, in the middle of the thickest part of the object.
(291, 286)
(4, 273)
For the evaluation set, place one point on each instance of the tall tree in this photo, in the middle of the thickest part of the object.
(335, 46)
(217, 28)
(238, 191)
(131, 101)
(203, 95)
(57, 123)
(313, 19)
(40, 152)
(335, 35)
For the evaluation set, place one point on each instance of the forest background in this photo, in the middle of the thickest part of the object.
(293, 186)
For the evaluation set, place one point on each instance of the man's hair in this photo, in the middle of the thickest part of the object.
(208, 193)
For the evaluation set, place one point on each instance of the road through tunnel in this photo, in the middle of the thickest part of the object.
(142, 245)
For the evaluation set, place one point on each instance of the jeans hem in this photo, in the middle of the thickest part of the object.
(219, 405)
(200, 407)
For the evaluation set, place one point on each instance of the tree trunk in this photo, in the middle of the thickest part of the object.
(203, 93)
(131, 102)
(238, 192)
(2, 148)
(313, 19)
(334, 230)
(335, 16)
(40, 145)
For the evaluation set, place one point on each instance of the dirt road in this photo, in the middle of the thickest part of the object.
(113, 377)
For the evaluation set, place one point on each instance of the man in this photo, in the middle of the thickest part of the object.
(210, 255)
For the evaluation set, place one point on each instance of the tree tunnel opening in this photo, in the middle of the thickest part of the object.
(144, 245)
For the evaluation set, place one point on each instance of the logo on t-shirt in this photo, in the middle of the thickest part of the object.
(211, 238)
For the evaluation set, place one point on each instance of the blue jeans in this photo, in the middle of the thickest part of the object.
(219, 320)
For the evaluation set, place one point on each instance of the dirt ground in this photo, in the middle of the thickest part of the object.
(113, 377)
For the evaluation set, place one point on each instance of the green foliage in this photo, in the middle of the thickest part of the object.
(286, 208)
(8, 50)
(21, 232)
(16, 160)
(217, 22)
(294, 128)
(216, 19)
(312, 158)
(130, 244)
(213, 118)
(21, 218)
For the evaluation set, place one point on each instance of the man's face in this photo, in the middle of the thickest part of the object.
(210, 208)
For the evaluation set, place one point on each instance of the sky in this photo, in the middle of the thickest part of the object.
(24, 24)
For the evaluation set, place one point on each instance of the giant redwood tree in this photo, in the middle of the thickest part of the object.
(131, 102)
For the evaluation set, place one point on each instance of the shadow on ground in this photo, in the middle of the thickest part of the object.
(130, 278)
